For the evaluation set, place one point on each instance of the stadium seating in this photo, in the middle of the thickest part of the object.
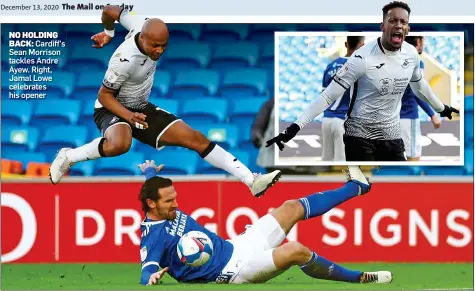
(244, 82)
(56, 112)
(224, 33)
(226, 135)
(174, 162)
(235, 56)
(57, 137)
(195, 83)
(19, 139)
(184, 32)
(264, 32)
(125, 164)
(185, 56)
(87, 85)
(16, 112)
(25, 158)
(204, 110)
(169, 105)
(85, 58)
(161, 83)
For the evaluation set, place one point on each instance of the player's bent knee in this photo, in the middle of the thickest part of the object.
(292, 206)
(298, 252)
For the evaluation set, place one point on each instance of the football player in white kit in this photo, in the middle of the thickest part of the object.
(122, 110)
(377, 74)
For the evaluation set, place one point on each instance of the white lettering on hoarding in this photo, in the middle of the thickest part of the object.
(130, 230)
(29, 227)
(416, 221)
(81, 240)
(459, 228)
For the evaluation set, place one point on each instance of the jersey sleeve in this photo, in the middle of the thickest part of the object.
(417, 73)
(351, 71)
(117, 73)
(426, 107)
(150, 255)
(131, 21)
(326, 78)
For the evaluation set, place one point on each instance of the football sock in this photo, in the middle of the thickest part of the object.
(218, 157)
(89, 151)
(320, 268)
(321, 202)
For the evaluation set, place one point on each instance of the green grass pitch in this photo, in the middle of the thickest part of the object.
(126, 277)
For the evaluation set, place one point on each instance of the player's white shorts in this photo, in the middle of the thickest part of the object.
(411, 135)
(332, 135)
(252, 260)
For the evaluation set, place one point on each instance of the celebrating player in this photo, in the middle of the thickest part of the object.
(378, 74)
(122, 110)
(410, 123)
(256, 255)
(334, 117)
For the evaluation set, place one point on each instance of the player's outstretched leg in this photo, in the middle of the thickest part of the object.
(117, 141)
(181, 134)
(315, 266)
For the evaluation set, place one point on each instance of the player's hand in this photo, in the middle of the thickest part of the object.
(447, 112)
(138, 120)
(436, 121)
(155, 278)
(101, 39)
(150, 164)
(288, 134)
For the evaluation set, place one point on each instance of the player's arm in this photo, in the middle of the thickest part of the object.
(115, 76)
(150, 255)
(353, 69)
(422, 90)
(426, 107)
(110, 14)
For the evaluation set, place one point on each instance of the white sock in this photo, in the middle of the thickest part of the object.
(220, 158)
(89, 151)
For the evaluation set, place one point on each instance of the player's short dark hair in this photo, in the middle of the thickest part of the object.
(150, 189)
(353, 41)
(413, 39)
(395, 4)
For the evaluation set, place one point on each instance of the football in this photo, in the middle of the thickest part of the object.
(194, 248)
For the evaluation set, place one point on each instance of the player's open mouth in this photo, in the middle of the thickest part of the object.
(396, 37)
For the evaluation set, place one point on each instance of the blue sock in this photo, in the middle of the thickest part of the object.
(321, 268)
(321, 202)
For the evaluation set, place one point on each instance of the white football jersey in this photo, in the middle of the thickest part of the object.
(378, 79)
(130, 72)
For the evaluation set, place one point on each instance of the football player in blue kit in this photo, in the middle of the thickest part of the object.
(254, 256)
(410, 123)
(333, 147)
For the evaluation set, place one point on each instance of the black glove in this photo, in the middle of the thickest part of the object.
(447, 112)
(288, 134)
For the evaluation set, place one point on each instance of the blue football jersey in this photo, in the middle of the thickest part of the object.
(410, 103)
(339, 108)
(158, 248)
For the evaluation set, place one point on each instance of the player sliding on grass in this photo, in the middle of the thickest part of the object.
(122, 110)
(256, 255)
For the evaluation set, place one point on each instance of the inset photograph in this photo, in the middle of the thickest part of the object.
(369, 98)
